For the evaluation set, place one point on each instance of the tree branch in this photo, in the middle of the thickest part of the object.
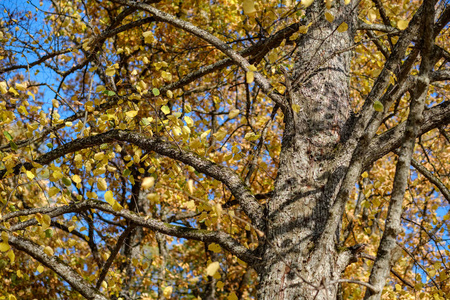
(433, 179)
(390, 140)
(218, 237)
(221, 173)
(204, 35)
(57, 265)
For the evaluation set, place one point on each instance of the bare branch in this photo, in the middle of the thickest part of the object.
(433, 179)
(393, 227)
(388, 141)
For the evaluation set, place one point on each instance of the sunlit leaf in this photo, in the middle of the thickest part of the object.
(131, 113)
(148, 182)
(212, 268)
(165, 109)
(249, 7)
(4, 247)
(233, 113)
(402, 24)
(307, 3)
(343, 27)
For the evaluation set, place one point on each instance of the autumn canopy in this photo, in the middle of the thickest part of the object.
(229, 149)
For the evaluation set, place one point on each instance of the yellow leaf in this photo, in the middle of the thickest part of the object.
(307, 3)
(165, 109)
(100, 88)
(148, 36)
(273, 56)
(372, 15)
(99, 155)
(402, 24)
(19, 274)
(4, 236)
(11, 256)
(48, 250)
(148, 182)
(153, 198)
(29, 174)
(214, 247)
(190, 205)
(116, 206)
(3, 87)
(109, 197)
(364, 175)
(21, 86)
(11, 297)
(57, 174)
(250, 76)
(296, 108)
(4, 247)
(232, 296)
(40, 269)
(71, 228)
(343, 27)
(328, 3)
(220, 284)
(46, 222)
(76, 178)
(191, 186)
(167, 291)
(233, 113)
(252, 68)
(347, 2)
(189, 121)
(220, 135)
(13, 91)
(110, 71)
(53, 191)
(249, 7)
(329, 17)
(218, 209)
(131, 113)
(104, 284)
(205, 134)
(166, 76)
(31, 94)
(212, 268)
(101, 184)
(303, 29)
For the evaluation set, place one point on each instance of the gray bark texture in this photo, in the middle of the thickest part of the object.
(295, 265)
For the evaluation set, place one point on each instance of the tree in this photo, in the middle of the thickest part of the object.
(224, 149)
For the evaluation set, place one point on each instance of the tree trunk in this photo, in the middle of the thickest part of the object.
(294, 266)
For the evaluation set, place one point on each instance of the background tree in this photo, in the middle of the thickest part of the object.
(224, 149)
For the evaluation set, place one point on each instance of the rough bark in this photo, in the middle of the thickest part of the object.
(295, 268)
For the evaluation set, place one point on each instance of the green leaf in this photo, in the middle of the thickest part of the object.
(155, 91)
(378, 106)
(126, 172)
(66, 181)
(8, 135)
(49, 233)
(109, 93)
(13, 145)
